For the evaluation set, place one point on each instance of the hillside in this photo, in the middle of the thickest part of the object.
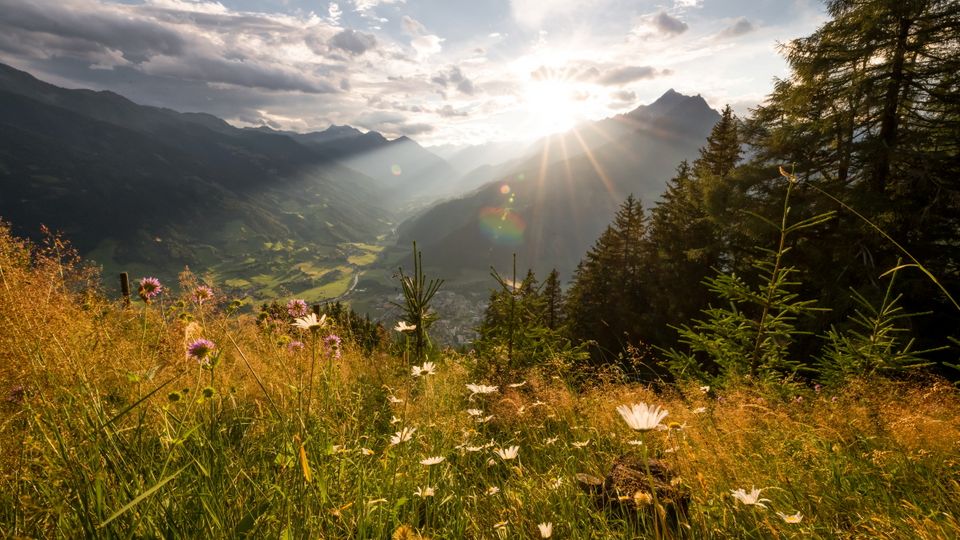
(550, 206)
(146, 188)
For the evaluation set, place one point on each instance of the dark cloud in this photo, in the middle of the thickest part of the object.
(667, 24)
(454, 77)
(45, 22)
(353, 42)
(738, 28)
(241, 72)
(626, 74)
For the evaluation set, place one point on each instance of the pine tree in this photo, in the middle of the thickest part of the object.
(605, 302)
(552, 301)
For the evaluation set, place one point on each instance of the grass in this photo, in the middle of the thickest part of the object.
(105, 432)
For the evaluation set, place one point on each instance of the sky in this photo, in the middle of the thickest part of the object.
(440, 71)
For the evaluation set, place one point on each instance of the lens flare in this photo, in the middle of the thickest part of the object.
(502, 226)
(396, 170)
(504, 189)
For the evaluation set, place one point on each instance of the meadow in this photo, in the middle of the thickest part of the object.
(120, 422)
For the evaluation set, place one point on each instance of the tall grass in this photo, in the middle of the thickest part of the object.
(105, 431)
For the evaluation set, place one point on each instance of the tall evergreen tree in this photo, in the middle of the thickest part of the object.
(607, 291)
(552, 301)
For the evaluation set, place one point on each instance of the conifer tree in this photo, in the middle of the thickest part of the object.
(552, 301)
(606, 297)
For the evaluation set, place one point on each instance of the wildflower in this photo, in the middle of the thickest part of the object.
(402, 326)
(394, 420)
(150, 288)
(295, 346)
(208, 392)
(517, 385)
(481, 389)
(750, 499)
(428, 368)
(485, 419)
(551, 440)
(508, 453)
(367, 451)
(394, 399)
(16, 394)
(795, 518)
(817, 388)
(642, 417)
(174, 397)
(474, 448)
(492, 490)
(297, 308)
(676, 426)
(700, 410)
(580, 444)
(432, 460)
(635, 442)
(200, 350)
(474, 412)
(546, 529)
(202, 294)
(332, 345)
(310, 322)
(425, 492)
(404, 434)
(705, 389)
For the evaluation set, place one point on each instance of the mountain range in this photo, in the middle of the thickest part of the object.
(551, 204)
(269, 213)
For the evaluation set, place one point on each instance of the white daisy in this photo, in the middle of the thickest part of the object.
(642, 417)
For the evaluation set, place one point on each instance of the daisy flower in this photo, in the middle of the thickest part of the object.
(546, 530)
(795, 518)
(425, 492)
(404, 434)
(508, 453)
(311, 322)
(434, 460)
(750, 499)
(642, 417)
(481, 389)
(403, 326)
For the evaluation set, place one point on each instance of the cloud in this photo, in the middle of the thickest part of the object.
(454, 77)
(738, 28)
(334, 11)
(449, 112)
(626, 74)
(413, 26)
(667, 24)
(366, 7)
(624, 95)
(238, 72)
(423, 42)
(108, 28)
(353, 42)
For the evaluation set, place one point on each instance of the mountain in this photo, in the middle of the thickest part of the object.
(152, 190)
(550, 206)
(404, 172)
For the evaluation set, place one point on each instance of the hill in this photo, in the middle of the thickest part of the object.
(152, 190)
(550, 206)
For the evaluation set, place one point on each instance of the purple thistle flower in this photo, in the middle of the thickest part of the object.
(202, 294)
(150, 288)
(16, 394)
(332, 345)
(200, 350)
(816, 388)
(297, 308)
(295, 346)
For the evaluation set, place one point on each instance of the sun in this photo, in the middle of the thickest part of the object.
(550, 106)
